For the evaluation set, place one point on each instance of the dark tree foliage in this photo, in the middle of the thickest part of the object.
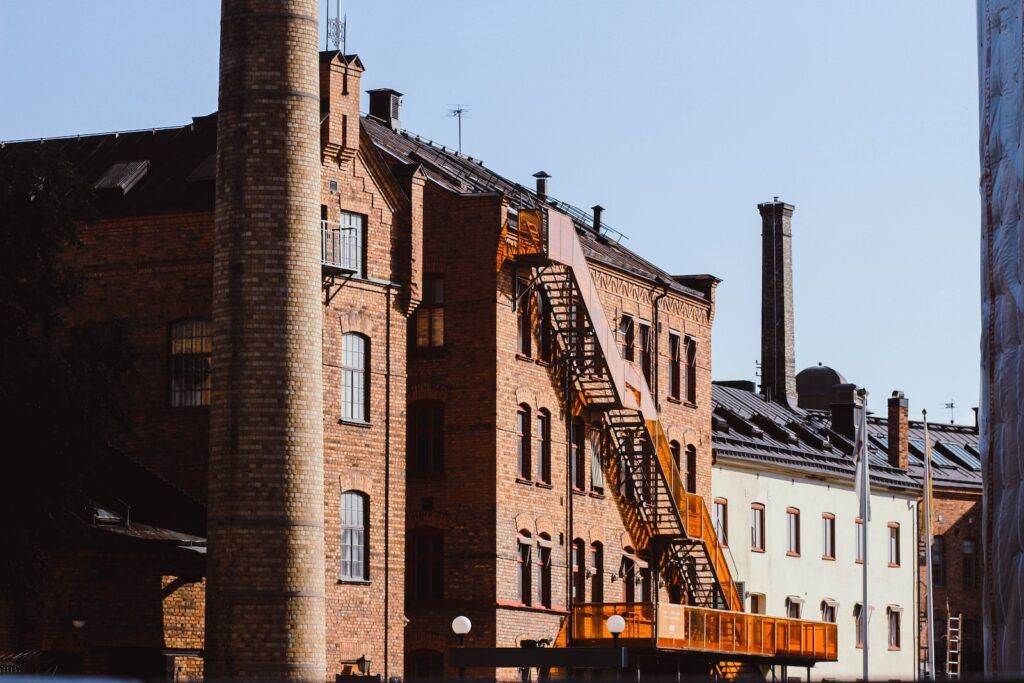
(60, 382)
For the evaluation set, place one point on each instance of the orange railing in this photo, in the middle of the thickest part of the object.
(683, 627)
(696, 520)
(709, 630)
(589, 622)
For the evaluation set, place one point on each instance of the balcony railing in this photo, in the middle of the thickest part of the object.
(683, 627)
(341, 247)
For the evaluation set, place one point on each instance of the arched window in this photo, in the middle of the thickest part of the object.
(677, 458)
(596, 468)
(542, 445)
(579, 571)
(691, 370)
(425, 665)
(426, 437)
(628, 572)
(858, 624)
(524, 331)
(355, 547)
(191, 346)
(426, 560)
(627, 332)
(524, 569)
(544, 557)
(893, 615)
(523, 441)
(355, 390)
(597, 572)
(691, 469)
(579, 455)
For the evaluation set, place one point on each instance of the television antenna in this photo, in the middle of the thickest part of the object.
(951, 407)
(458, 111)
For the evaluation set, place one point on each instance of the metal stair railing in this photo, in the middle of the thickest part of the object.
(559, 244)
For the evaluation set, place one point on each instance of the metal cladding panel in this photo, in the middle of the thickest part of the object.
(1001, 91)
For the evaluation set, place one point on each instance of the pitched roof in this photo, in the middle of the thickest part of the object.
(463, 174)
(747, 428)
(144, 171)
(172, 169)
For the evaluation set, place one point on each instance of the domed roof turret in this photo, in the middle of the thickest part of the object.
(814, 386)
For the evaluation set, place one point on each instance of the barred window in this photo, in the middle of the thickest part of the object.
(355, 565)
(354, 387)
(191, 346)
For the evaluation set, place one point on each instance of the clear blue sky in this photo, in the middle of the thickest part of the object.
(678, 117)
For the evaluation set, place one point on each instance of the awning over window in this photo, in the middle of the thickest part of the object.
(795, 598)
(894, 608)
(830, 602)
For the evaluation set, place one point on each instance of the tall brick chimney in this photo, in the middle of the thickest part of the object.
(265, 506)
(778, 358)
(899, 430)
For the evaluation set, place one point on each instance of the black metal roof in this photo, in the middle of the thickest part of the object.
(178, 167)
(745, 427)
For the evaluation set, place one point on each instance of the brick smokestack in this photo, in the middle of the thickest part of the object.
(899, 430)
(265, 568)
(778, 359)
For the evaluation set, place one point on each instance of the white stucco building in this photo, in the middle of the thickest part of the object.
(783, 488)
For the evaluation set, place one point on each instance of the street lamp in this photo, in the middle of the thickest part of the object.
(461, 626)
(615, 625)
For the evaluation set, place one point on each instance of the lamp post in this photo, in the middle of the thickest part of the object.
(461, 626)
(616, 625)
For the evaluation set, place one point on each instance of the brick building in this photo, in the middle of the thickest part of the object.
(516, 420)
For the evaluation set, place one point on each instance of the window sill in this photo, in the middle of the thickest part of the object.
(689, 404)
(596, 494)
(894, 649)
(543, 485)
(757, 550)
(355, 423)
(858, 561)
(543, 363)
(354, 582)
(790, 553)
(523, 356)
(189, 409)
(522, 480)
(894, 566)
(578, 492)
(830, 558)
(673, 399)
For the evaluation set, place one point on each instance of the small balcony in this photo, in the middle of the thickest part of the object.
(738, 635)
(341, 248)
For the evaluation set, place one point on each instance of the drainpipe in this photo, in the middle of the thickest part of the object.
(387, 478)
(655, 374)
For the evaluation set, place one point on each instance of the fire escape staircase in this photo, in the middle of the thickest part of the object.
(670, 522)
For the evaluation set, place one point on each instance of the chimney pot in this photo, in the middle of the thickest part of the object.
(899, 430)
(597, 208)
(385, 105)
(542, 184)
(778, 357)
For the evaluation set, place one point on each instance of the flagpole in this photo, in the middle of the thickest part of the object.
(865, 517)
(929, 599)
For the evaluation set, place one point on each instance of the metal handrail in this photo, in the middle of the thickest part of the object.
(340, 246)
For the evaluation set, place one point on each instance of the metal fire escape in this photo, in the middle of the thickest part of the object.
(662, 517)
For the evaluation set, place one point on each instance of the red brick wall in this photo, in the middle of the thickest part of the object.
(479, 502)
(956, 516)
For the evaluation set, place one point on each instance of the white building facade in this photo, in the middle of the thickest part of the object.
(783, 492)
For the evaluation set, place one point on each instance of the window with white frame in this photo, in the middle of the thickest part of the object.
(354, 387)
(355, 565)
